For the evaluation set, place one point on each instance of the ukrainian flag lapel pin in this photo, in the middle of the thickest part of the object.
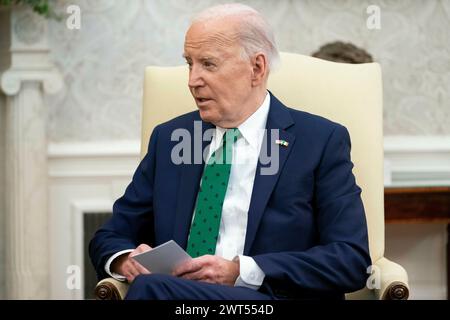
(284, 143)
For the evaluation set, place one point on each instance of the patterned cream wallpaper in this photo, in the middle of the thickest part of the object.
(103, 62)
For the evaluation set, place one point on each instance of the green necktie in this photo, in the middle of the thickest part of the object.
(208, 211)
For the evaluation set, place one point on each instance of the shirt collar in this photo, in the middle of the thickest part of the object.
(251, 128)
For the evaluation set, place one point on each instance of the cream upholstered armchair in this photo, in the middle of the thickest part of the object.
(350, 94)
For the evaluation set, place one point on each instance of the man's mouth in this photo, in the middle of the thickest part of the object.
(202, 100)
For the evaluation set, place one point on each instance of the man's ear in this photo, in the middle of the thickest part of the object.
(260, 69)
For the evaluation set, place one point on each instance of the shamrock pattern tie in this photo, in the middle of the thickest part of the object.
(208, 211)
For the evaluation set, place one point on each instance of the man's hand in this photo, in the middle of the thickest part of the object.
(212, 269)
(128, 267)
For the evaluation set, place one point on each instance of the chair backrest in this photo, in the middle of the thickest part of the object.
(350, 94)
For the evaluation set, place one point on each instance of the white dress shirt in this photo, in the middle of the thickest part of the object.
(233, 224)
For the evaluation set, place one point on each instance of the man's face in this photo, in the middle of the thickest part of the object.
(219, 79)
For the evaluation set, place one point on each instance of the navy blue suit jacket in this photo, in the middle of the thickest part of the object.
(306, 223)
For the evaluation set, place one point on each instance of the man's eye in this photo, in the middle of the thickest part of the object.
(208, 64)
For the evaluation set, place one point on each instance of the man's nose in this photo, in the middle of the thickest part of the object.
(195, 77)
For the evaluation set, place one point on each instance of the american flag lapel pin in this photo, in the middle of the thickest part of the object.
(284, 143)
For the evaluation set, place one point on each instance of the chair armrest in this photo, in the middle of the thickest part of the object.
(393, 281)
(111, 289)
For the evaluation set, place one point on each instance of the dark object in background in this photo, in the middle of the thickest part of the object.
(343, 52)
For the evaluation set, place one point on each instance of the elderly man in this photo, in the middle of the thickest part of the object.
(297, 232)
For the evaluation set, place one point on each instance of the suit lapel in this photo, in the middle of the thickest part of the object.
(278, 119)
(188, 186)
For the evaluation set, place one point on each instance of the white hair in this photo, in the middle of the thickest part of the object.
(255, 33)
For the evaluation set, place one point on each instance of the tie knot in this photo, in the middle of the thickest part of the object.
(231, 135)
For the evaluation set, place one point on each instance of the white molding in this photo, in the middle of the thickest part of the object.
(422, 144)
(93, 159)
(417, 160)
(102, 149)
